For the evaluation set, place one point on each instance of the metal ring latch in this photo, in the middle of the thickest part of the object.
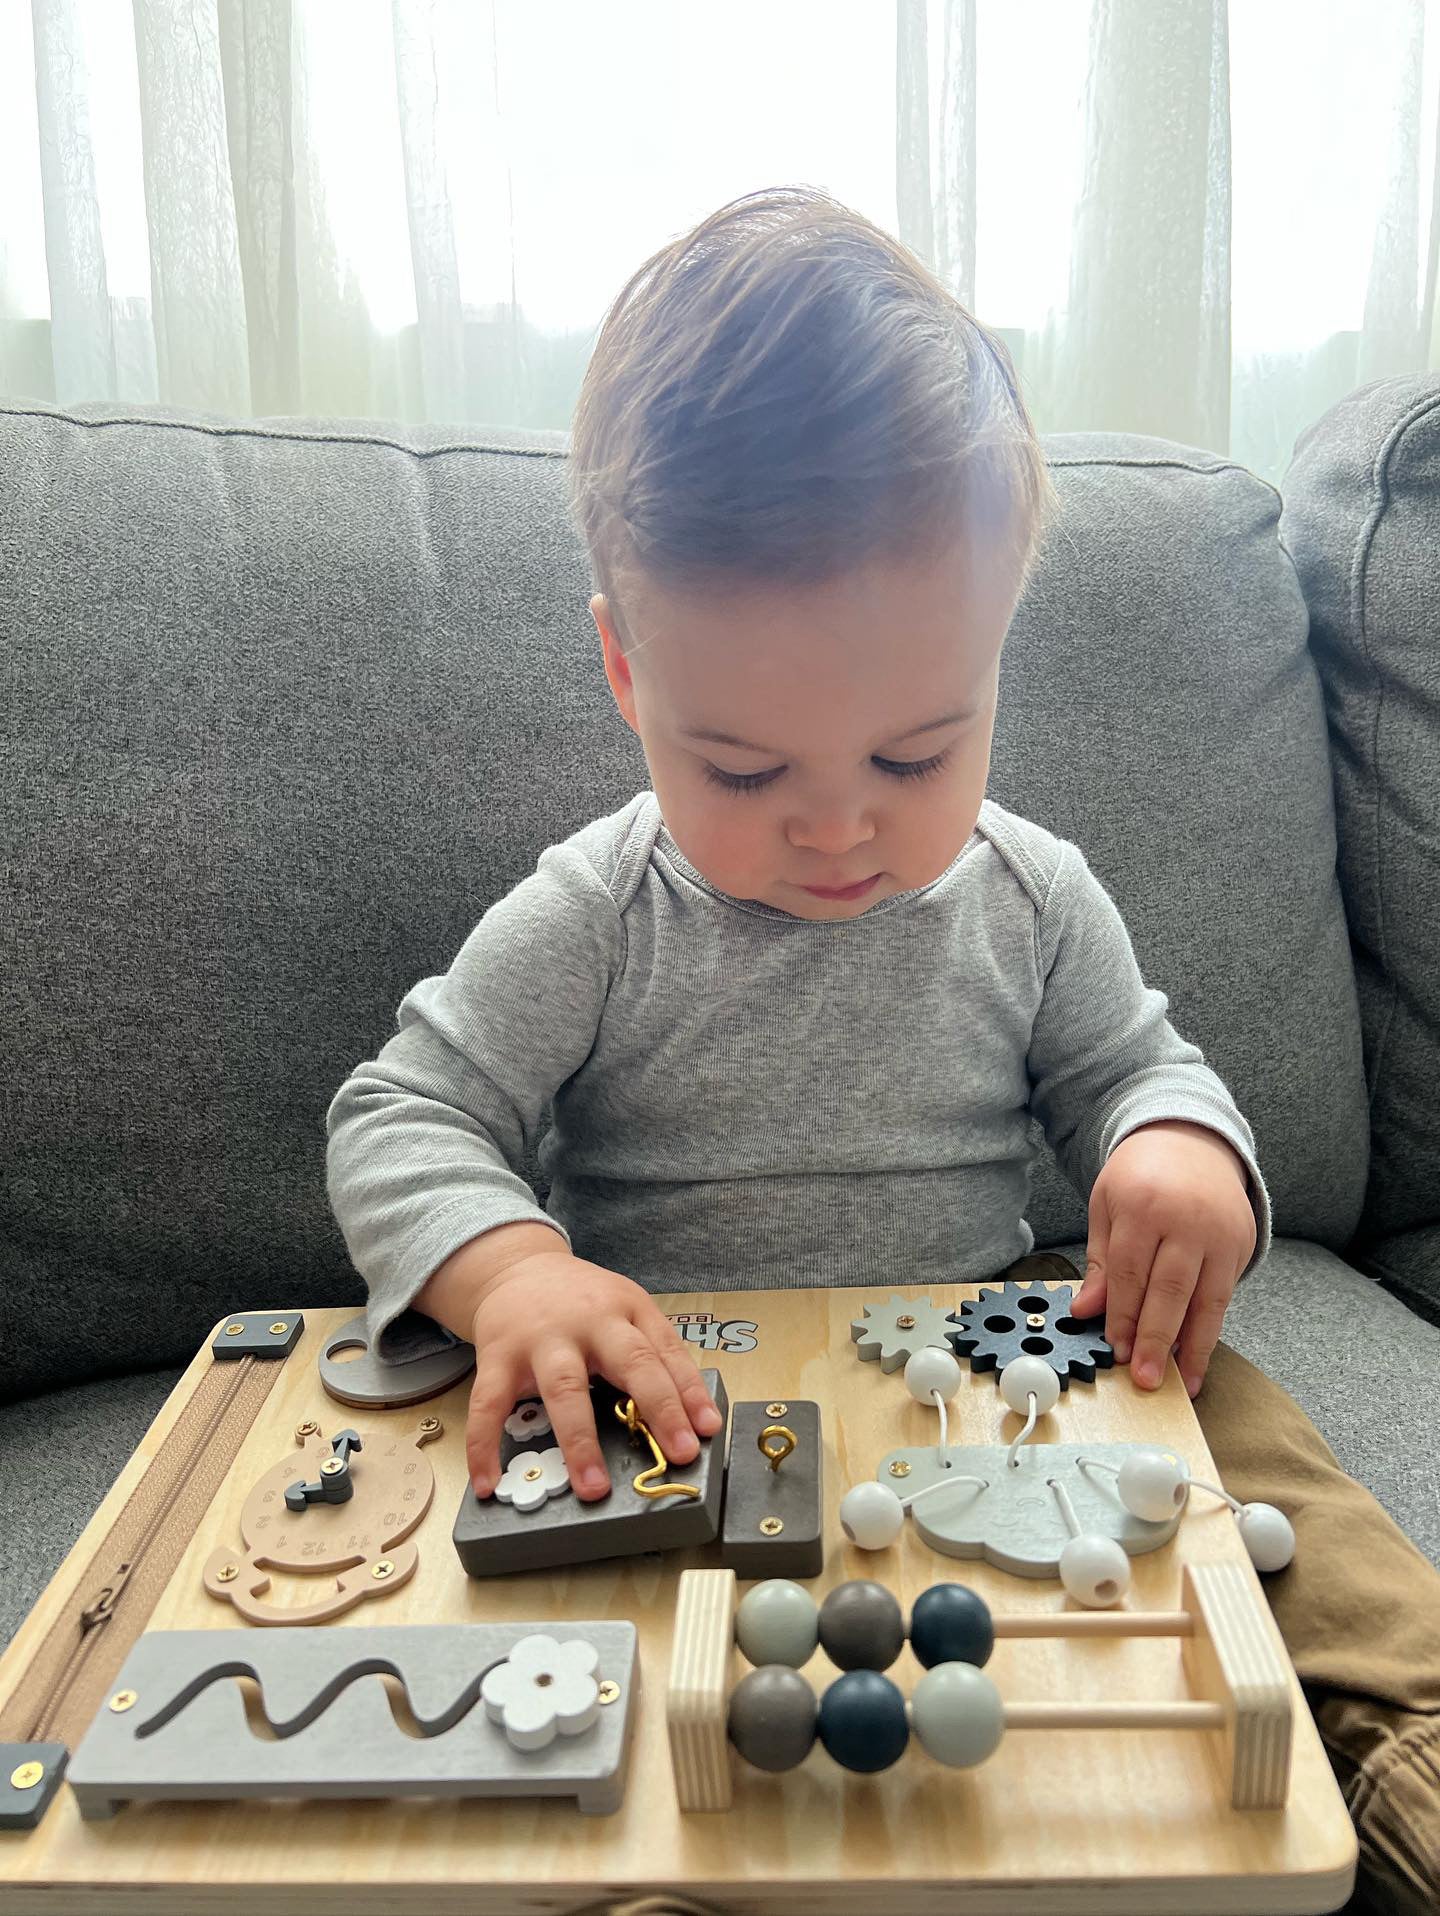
(777, 1452)
(645, 1483)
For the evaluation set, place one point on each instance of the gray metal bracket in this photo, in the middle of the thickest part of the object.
(30, 1774)
(257, 1334)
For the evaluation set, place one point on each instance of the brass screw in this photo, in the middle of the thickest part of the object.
(534, 1474)
(429, 1423)
(776, 1409)
(771, 1526)
(233, 1330)
(609, 1690)
(308, 1429)
(332, 1466)
(900, 1468)
(227, 1573)
(905, 1322)
(380, 1571)
(1036, 1320)
(26, 1776)
(123, 1700)
(279, 1329)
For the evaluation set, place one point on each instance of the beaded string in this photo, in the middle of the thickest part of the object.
(1195, 1483)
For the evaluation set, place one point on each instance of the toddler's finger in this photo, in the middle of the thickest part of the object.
(1200, 1332)
(1167, 1298)
(492, 1398)
(562, 1377)
(631, 1361)
(700, 1406)
(1129, 1255)
(1090, 1297)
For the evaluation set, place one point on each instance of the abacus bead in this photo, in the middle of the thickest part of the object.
(871, 1515)
(1095, 1570)
(1153, 1485)
(1024, 1376)
(771, 1717)
(776, 1622)
(1268, 1535)
(861, 1627)
(929, 1370)
(958, 1715)
(951, 1624)
(862, 1721)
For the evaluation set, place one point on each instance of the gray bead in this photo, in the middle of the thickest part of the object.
(772, 1717)
(956, 1712)
(861, 1626)
(776, 1623)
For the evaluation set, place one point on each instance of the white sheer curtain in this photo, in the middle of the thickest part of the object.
(1190, 218)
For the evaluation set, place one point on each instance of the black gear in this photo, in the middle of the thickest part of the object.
(995, 1327)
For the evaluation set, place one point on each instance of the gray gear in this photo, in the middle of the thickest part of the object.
(881, 1334)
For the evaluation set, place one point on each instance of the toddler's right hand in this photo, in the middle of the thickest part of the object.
(542, 1327)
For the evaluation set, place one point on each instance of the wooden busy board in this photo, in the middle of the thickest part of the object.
(1114, 1820)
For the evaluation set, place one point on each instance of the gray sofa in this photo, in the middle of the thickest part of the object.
(287, 704)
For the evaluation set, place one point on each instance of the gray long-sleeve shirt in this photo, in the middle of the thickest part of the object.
(743, 1099)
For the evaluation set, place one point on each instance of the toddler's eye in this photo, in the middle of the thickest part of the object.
(740, 781)
(914, 768)
(756, 781)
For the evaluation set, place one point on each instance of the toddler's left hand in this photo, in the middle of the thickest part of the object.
(1171, 1229)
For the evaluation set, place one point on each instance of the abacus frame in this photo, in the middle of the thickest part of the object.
(1239, 1682)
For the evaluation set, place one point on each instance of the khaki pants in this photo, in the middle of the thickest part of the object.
(1359, 1609)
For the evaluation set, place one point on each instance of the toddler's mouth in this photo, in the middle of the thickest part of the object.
(847, 891)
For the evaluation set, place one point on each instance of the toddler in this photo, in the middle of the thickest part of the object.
(790, 1014)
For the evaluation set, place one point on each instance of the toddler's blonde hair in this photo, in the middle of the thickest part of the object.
(786, 392)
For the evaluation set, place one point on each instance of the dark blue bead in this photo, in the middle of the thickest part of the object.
(950, 1624)
(862, 1721)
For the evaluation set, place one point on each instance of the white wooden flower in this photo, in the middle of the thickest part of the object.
(543, 1687)
(528, 1420)
(531, 1476)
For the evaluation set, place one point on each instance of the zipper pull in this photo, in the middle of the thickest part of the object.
(101, 1609)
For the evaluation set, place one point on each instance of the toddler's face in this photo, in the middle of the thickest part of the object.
(849, 726)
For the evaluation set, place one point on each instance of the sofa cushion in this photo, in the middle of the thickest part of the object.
(294, 704)
(1362, 518)
(1159, 707)
(295, 701)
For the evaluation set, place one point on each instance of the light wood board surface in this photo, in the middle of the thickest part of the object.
(1067, 1821)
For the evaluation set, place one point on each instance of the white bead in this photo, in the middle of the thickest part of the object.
(1024, 1377)
(957, 1714)
(872, 1516)
(1095, 1571)
(1268, 1535)
(929, 1370)
(1153, 1485)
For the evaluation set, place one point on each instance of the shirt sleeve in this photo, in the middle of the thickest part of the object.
(425, 1140)
(1104, 1058)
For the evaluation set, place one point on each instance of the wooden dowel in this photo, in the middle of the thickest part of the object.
(1097, 1623)
(1115, 1716)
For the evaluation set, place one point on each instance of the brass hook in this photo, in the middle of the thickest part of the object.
(776, 1454)
(644, 1483)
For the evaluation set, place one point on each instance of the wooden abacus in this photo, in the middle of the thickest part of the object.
(1238, 1680)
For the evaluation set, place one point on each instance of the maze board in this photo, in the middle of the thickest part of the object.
(1056, 1821)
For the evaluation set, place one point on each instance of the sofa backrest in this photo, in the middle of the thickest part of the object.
(1362, 520)
(287, 704)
